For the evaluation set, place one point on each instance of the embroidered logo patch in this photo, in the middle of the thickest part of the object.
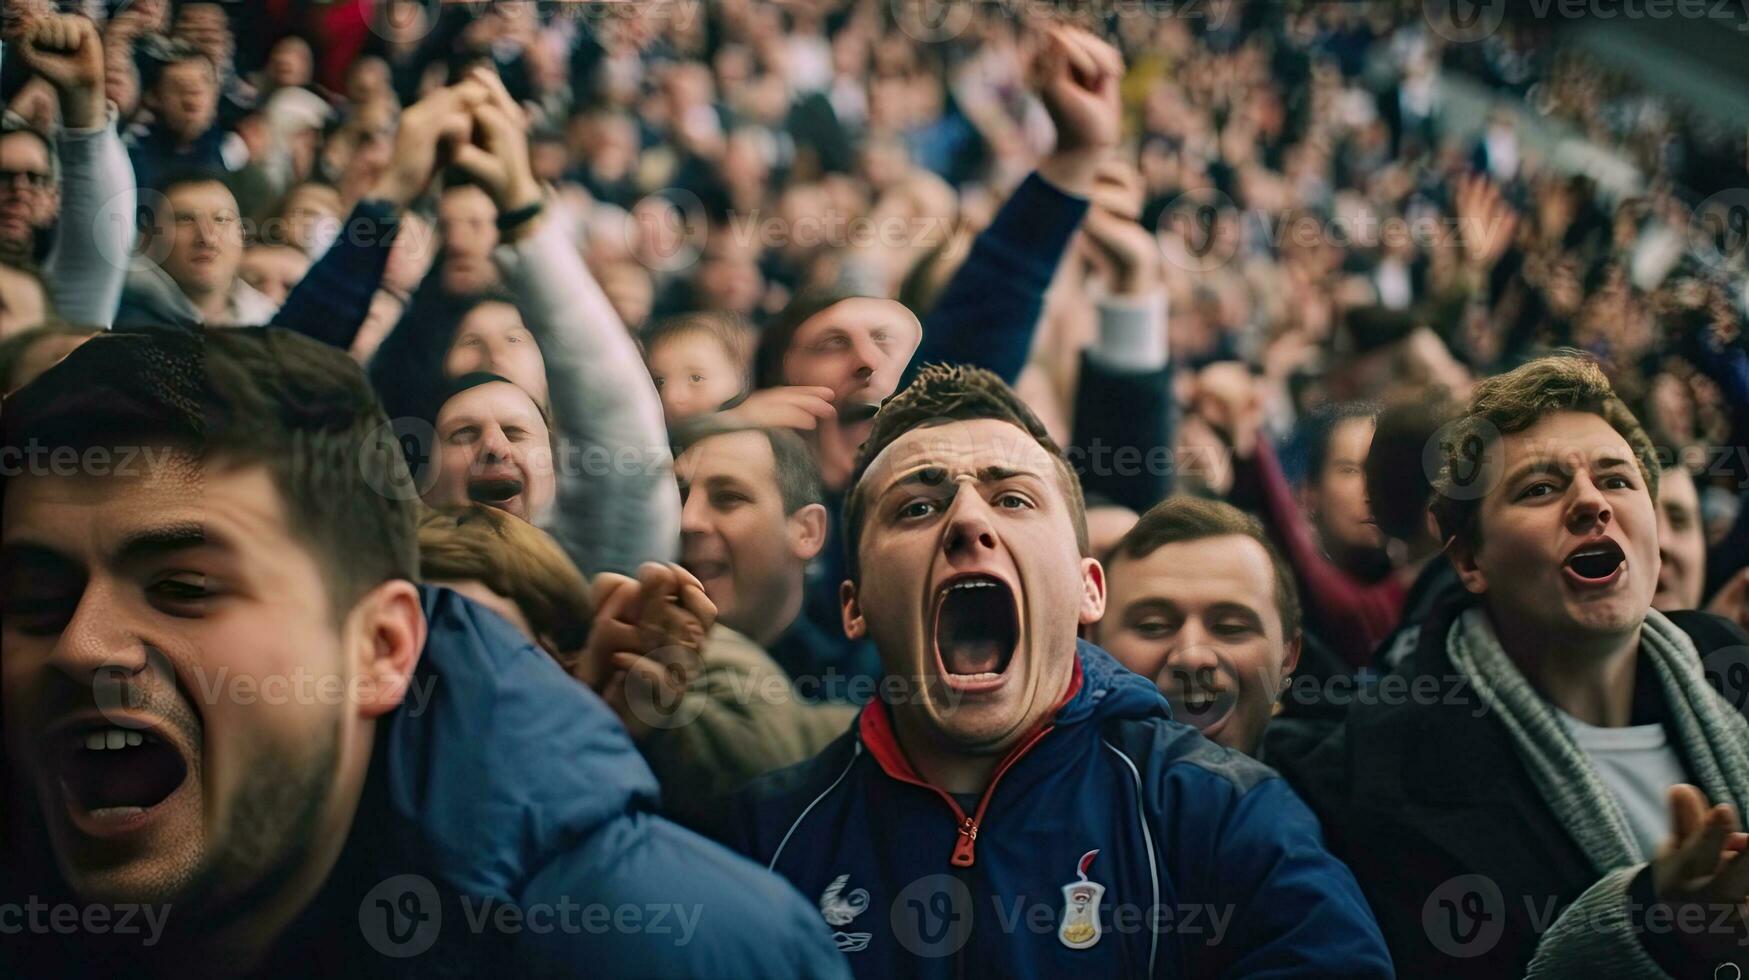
(1080, 928)
(839, 907)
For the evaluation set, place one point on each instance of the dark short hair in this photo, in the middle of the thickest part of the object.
(1179, 519)
(798, 475)
(245, 397)
(159, 58)
(1321, 427)
(954, 393)
(1399, 483)
(184, 177)
(1568, 381)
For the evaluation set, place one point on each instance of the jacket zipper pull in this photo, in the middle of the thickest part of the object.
(963, 848)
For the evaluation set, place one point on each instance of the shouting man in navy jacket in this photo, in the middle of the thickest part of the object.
(1016, 804)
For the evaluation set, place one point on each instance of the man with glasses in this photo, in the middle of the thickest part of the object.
(81, 249)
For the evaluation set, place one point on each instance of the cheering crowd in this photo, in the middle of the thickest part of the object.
(844, 487)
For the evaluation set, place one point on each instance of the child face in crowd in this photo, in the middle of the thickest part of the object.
(694, 374)
(494, 448)
(1200, 618)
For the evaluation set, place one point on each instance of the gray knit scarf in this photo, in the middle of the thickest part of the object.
(1711, 737)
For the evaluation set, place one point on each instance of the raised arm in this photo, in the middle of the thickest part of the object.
(1123, 401)
(989, 311)
(618, 505)
(95, 233)
(333, 300)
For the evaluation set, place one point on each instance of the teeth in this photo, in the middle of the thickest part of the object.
(972, 583)
(105, 739)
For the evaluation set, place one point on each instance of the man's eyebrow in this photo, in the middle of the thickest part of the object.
(1236, 608)
(163, 540)
(1550, 466)
(996, 474)
(1153, 603)
(928, 476)
(719, 480)
(1614, 463)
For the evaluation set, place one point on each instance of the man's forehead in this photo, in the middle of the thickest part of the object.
(22, 148)
(1566, 437)
(961, 447)
(122, 495)
(861, 311)
(744, 455)
(207, 194)
(1227, 568)
(493, 400)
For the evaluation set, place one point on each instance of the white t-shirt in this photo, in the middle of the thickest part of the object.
(1639, 767)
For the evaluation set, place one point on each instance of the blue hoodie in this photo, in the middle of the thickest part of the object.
(506, 828)
(1112, 842)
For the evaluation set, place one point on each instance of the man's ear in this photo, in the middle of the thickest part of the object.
(854, 626)
(387, 633)
(1292, 661)
(806, 529)
(1092, 591)
(1463, 558)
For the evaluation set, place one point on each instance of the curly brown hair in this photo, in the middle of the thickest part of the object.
(945, 393)
(1568, 381)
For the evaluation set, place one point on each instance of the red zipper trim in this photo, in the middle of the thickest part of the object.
(876, 729)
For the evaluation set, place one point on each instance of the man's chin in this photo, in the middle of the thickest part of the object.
(976, 724)
(156, 867)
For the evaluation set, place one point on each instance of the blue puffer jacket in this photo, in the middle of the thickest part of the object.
(1114, 842)
(512, 782)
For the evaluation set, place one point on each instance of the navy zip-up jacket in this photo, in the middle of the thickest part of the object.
(1112, 842)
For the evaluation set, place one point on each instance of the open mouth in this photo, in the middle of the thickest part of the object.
(977, 627)
(854, 412)
(1596, 563)
(705, 569)
(1198, 699)
(495, 493)
(111, 775)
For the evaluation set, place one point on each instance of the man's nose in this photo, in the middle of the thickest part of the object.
(1192, 660)
(97, 643)
(866, 357)
(1590, 510)
(969, 530)
(694, 515)
(494, 447)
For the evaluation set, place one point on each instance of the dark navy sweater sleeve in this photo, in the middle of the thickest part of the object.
(989, 311)
(1123, 434)
(333, 299)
